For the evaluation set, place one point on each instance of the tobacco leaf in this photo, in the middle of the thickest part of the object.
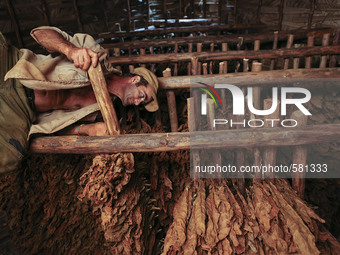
(302, 237)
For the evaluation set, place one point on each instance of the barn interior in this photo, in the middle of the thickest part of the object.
(142, 198)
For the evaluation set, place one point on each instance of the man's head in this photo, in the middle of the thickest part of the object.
(151, 86)
(136, 89)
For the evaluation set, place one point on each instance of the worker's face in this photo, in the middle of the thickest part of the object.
(136, 95)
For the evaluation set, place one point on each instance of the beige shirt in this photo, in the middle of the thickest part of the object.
(42, 72)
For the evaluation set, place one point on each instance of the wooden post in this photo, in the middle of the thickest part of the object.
(211, 63)
(289, 45)
(152, 68)
(189, 64)
(170, 94)
(310, 43)
(176, 65)
(276, 38)
(205, 68)
(269, 153)
(296, 61)
(199, 49)
(245, 65)
(299, 157)
(193, 128)
(142, 53)
(256, 67)
(332, 61)
(117, 54)
(103, 99)
(217, 160)
(325, 42)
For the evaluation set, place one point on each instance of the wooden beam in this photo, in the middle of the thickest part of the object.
(229, 55)
(306, 77)
(103, 99)
(158, 142)
(187, 29)
(247, 38)
(14, 23)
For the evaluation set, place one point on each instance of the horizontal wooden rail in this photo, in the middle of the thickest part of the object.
(234, 38)
(320, 76)
(157, 142)
(186, 29)
(228, 55)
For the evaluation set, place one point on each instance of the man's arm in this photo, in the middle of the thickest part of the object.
(54, 42)
(92, 129)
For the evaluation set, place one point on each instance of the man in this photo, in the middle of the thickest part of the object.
(58, 88)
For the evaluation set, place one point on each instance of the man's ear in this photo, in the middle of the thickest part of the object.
(135, 79)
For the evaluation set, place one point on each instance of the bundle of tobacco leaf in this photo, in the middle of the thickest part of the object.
(44, 214)
(212, 217)
(123, 203)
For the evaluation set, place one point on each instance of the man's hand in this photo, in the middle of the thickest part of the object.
(83, 57)
(96, 129)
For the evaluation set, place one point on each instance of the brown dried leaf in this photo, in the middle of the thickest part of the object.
(302, 237)
(199, 209)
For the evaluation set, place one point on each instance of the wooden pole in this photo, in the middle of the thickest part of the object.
(304, 77)
(158, 142)
(170, 94)
(325, 43)
(193, 128)
(176, 64)
(189, 64)
(308, 59)
(269, 153)
(296, 61)
(332, 61)
(229, 55)
(289, 45)
(142, 53)
(272, 62)
(103, 99)
(233, 38)
(299, 157)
